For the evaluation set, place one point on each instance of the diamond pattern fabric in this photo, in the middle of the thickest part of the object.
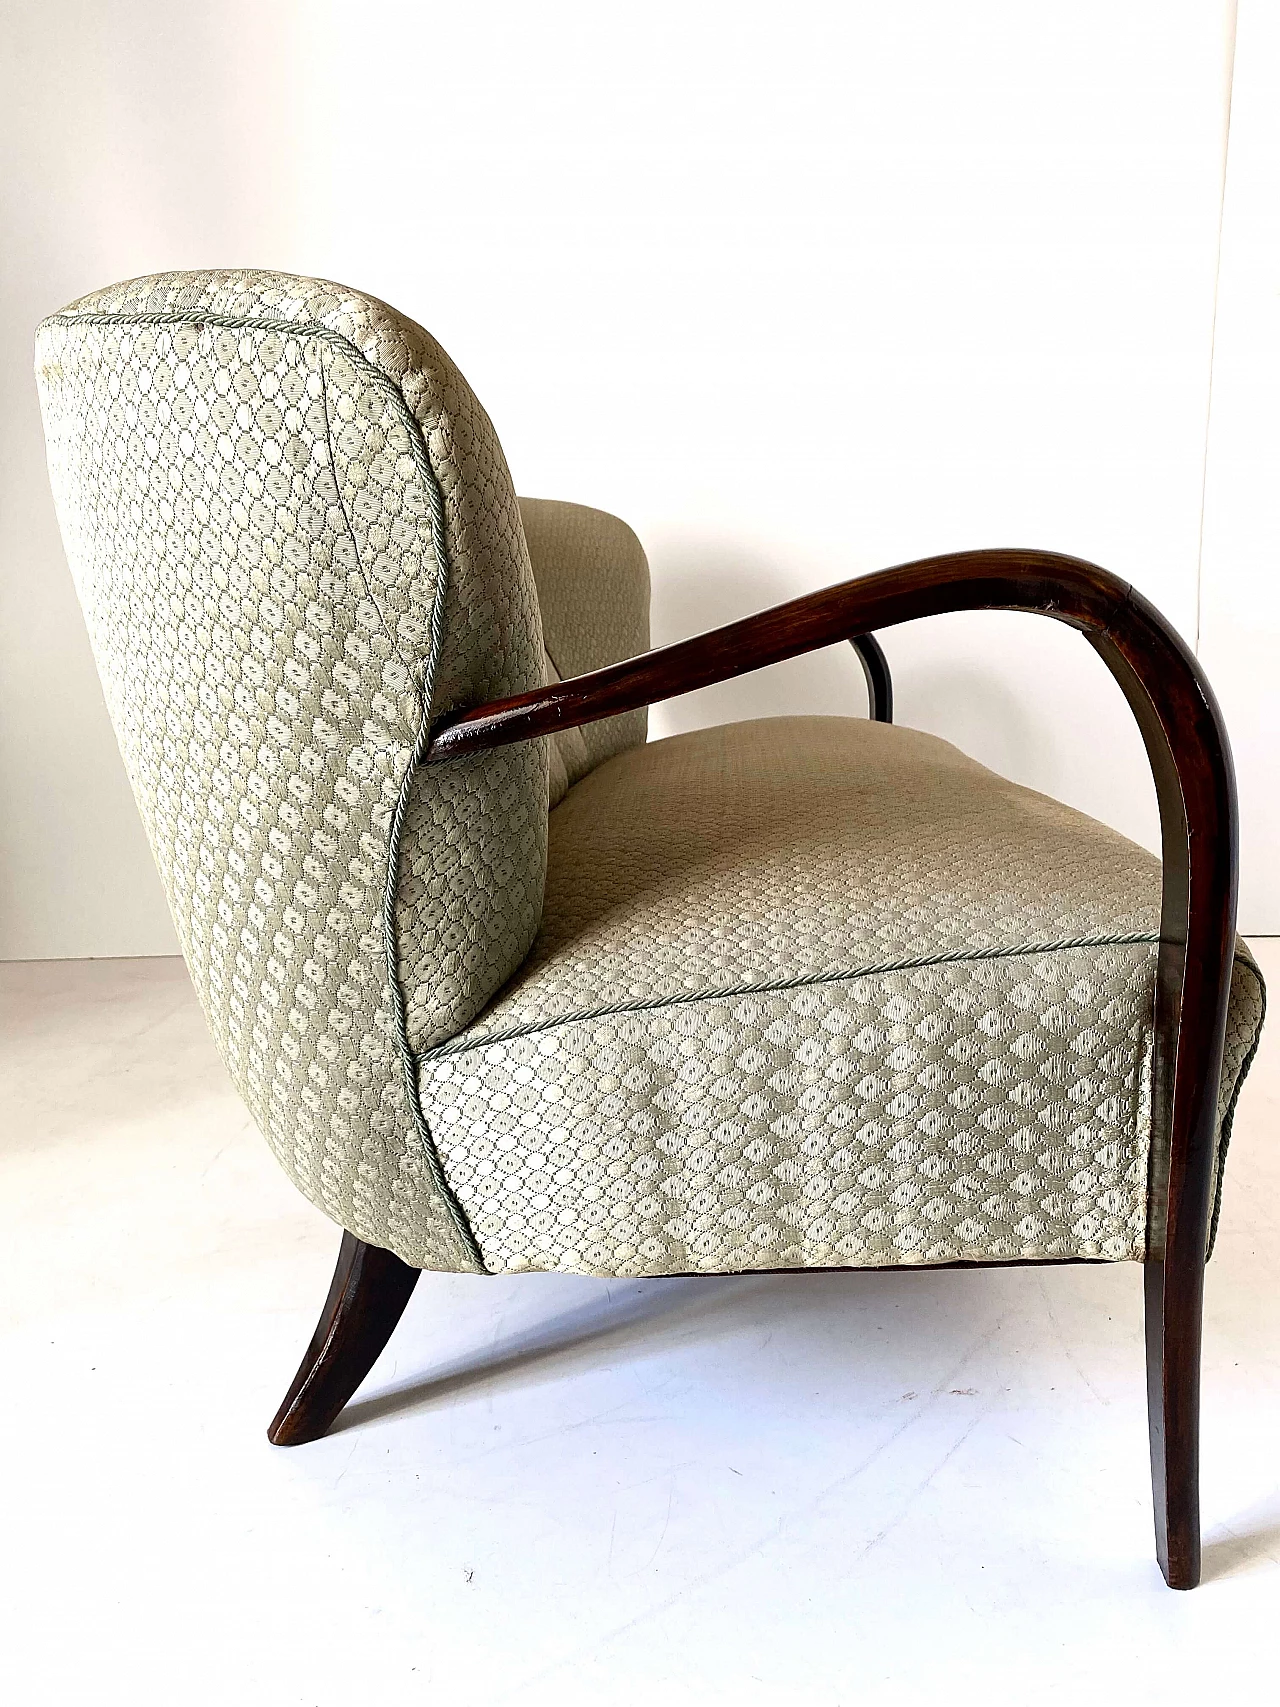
(294, 536)
(815, 991)
(788, 993)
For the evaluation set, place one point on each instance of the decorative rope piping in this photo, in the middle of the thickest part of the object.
(461, 1045)
(391, 943)
(426, 682)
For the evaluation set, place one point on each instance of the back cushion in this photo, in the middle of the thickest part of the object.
(296, 541)
(593, 591)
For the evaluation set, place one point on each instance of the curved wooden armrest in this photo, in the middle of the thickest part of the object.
(802, 625)
(1065, 588)
(1191, 762)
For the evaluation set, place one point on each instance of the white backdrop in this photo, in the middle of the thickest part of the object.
(798, 294)
(1240, 584)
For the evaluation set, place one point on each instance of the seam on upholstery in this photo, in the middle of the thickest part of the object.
(299, 329)
(1224, 1135)
(346, 519)
(460, 1046)
(391, 940)
(425, 684)
(551, 660)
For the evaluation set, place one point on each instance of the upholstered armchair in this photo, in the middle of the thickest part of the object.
(508, 988)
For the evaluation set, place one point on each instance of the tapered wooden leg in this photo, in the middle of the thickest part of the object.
(367, 1296)
(1174, 1307)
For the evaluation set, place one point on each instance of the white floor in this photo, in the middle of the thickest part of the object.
(820, 1489)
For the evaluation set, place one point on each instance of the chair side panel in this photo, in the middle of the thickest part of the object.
(264, 665)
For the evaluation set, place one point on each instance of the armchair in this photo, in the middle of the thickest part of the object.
(509, 988)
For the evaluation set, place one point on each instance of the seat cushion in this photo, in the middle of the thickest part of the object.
(816, 991)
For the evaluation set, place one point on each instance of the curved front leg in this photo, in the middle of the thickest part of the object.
(1195, 784)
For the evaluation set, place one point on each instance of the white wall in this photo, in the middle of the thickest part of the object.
(799, 292)
(135, 136)
(1240, 605)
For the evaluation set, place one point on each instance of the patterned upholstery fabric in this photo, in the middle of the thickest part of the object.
(593, 591)
(816, 991)
(809, 991)
(295, 537)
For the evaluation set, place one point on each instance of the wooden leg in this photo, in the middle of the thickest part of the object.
(367, 1296)
(1174, 1306)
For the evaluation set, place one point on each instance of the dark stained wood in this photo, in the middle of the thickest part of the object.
(367, 1296)
(875, 667)
(1190, 760)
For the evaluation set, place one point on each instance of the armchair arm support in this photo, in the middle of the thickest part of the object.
(1190, 760)
(875, 668)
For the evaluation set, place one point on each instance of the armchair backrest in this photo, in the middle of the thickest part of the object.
(296, 542)
(593, 592)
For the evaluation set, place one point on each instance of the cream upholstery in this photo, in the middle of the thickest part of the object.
(800, 992)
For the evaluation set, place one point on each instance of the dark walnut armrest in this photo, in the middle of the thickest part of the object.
(1191, 762)
(1066, 588)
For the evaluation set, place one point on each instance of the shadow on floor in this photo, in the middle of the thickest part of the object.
(1240, 1552)
(680, 1308)
(606, 1319)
